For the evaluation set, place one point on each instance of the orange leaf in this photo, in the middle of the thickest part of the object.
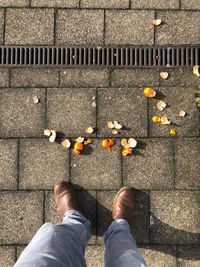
(78, 146)
(156, 119)
(127, 151)
(149, 92)
(77, 151)
(173, 132)
(89, 142)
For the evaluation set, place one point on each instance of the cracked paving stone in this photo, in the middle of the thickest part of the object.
(94, 256)
(150, 166)
(96, 167)
(1, 24)
(20, 117)
(187, 158)
(175, 217)
(7, 256)
(84, 78)
(178, 28)
(29, 26)
(128, 106)
(176, 98)
(188, 256)
(4, 78)
(29, 208)
(54, 3)
(34, 77)
(8, 164)
(105, 3)
(79, 27)
(120, 27)
(192, 4)
(155, 4)
(159, 256)
(42, 164)
(71, 111)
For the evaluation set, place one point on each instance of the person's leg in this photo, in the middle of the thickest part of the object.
(120, 246)
(63, 244)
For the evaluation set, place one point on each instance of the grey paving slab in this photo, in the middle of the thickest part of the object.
(29, 26)
(120, 27)
(51, 213)
(155, 4)
(7, 256)
(1, 24)
(8, 164)
(97, 168)
(105, 3)
(4, 78)
(179, 77)
(175, 216)
(141, 221)
(159, 256)
(15, 3)
(84, 78)
(150, 166)
(193, 4)
(71, 111)
(28, 207)
(177, 98)
(134, 77)
(34, 77)
(54, 3)
(19, 115)
(79, 27)
(187, 157)
(94, 256)
(176, 28)
(128, 106)
(188, 256)
(42, 164)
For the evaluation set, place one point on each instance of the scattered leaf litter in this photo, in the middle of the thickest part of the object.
(164, 120)
(47, 132)
(89, 141)
(108, 143)
(78, 147)
(157, 22)
(114, 132)
(35, 100)
(173, 132)
(149, 92)
(80, 139)
(196, 70)
(124, 142)
(52, 138)
(132, 142)
(66, 143)
(127, 151)
(164, 75)
(161, 105)
(110, 125)
(89, 130)
(182, 113)
(117, 125)
(156, 119)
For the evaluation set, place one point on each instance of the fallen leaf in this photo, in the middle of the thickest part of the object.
(78, 147)
(66, 143)
(149, 92)
(173, 132)
(157, 22)
(52, 138)
(196, 70)
(117, 125)
(161, 105)
(127, 151)
(132, 142)
(89, 130)
(182, 113)
(108, 143)
(114, 132)
(164, 75)
(124, 142)
(80, 139)
(110, 125)
(89, 141)
(47, 132)
(76, 151)
(164, 120)
(35, 100)
(156, 119)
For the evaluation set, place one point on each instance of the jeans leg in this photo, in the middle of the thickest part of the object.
(59, 245)
(120, 246)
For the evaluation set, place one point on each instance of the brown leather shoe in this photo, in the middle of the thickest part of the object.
(124, 205)
(65, 198)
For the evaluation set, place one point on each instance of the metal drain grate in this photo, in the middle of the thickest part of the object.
(100, 56)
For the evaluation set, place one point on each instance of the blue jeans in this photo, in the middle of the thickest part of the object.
(63, 245)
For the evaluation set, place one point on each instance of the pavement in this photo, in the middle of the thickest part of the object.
(163, 170)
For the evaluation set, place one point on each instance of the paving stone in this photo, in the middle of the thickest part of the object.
(29, 26)
(188, 256)
(8, 164)
(156, 4)
(141, 220)
(7, 256)
(87, 202)
(34, 77)
(120, 27)
(134, 77)
(192, 4)
(54, 3)
(20, 228)
(94, 256)
(15, 3)
(19, 115)
(187, 157)
(125, 105)
(175, 217)
(4, 77)
(84, 78)
(105, 3)
(71, 111)
(176, 28)
(159, 256)
(177, 98)
(96, 168)
(42, 164)
(20, 249)
(179, 77)
(150, 166)
(1, 24)
(79, 27)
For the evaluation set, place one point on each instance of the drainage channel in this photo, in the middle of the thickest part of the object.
(100, 56)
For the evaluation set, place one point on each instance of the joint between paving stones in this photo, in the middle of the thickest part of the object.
(55, 18)
(44, 207)
(4, 26)
(18, 159)
(45, 109)
(29, 3)
(177, 264)
(180, 4)
(174, 164)
(104, 26)
(96, 213)
(79, 4)
(122, 169)
(15, 253)
(130, 4)
(148, 119)
(9, 77)
(96, 113)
